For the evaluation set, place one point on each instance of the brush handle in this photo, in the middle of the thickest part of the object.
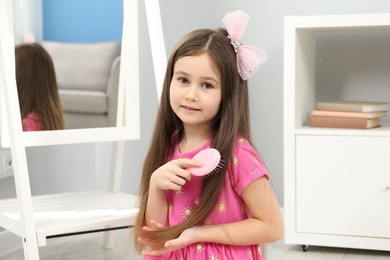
(210, 158)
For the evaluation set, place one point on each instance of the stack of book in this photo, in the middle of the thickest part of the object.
(348, 114)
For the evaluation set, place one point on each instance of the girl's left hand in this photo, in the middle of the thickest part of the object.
(186, 238)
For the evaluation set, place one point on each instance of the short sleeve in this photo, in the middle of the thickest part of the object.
(31, 123)
(246, 166)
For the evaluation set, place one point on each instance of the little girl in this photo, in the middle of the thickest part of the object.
(204, 103)
(39, 101)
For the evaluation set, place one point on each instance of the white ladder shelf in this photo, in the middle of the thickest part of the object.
(64, 214)
(37, 218)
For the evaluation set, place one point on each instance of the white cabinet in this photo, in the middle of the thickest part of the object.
(342, 188)
(336, 181)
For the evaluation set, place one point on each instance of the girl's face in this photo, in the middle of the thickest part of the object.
(195, 90)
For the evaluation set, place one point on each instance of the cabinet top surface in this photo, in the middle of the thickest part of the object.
(338, 21)
(383, 131)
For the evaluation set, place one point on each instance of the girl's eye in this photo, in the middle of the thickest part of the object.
(183, 80)
(207, 86)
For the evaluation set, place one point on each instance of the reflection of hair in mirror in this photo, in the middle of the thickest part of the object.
(39, 101)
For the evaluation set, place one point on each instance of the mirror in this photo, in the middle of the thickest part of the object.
(127, 119)
(85, 52)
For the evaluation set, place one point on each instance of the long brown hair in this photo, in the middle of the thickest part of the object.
(37, 85)
(232, 120)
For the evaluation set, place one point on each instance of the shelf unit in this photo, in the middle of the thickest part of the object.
(336, 181)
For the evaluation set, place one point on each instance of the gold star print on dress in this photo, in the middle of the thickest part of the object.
(259, 249)
(187, 211)
(213, 257)
(208, 221)
(179, 192)
(255, 160)
(199, 247)
(196, 201)
(221, 208)
(234, 160)
(250, 256)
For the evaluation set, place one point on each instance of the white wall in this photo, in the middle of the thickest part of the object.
(27, 19)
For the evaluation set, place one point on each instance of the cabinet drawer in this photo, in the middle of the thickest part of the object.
(343, 185)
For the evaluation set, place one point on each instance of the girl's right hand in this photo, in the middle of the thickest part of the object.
(173, 175)
(186, 238)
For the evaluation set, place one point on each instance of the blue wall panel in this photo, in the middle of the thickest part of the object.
(82, 20)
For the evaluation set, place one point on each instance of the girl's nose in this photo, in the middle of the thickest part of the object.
(191, 94)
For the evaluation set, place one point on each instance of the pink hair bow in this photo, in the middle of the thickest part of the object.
(249, 58)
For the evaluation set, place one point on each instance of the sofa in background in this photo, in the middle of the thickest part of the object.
(88, 79)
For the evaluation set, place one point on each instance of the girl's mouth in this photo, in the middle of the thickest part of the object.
(190, 108)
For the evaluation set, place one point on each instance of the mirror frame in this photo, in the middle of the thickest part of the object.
(157, 44)
(128, 116)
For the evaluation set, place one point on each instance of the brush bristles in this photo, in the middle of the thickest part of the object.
(216, 170)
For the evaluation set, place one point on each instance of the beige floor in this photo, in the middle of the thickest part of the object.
(89, 247)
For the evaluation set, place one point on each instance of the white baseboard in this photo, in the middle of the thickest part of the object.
(9, 242)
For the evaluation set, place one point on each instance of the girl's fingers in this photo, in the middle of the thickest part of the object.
(172, 186)
(143, 241)
(147, 228)
(184, 164)
(146, 242)
(157, 224)
(173, 175)
(150, 249)
(179, 180)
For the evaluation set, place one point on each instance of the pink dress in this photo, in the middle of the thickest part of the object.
(32, 122)
(247, 167)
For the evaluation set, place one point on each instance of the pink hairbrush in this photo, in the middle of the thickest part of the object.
(211, 160)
